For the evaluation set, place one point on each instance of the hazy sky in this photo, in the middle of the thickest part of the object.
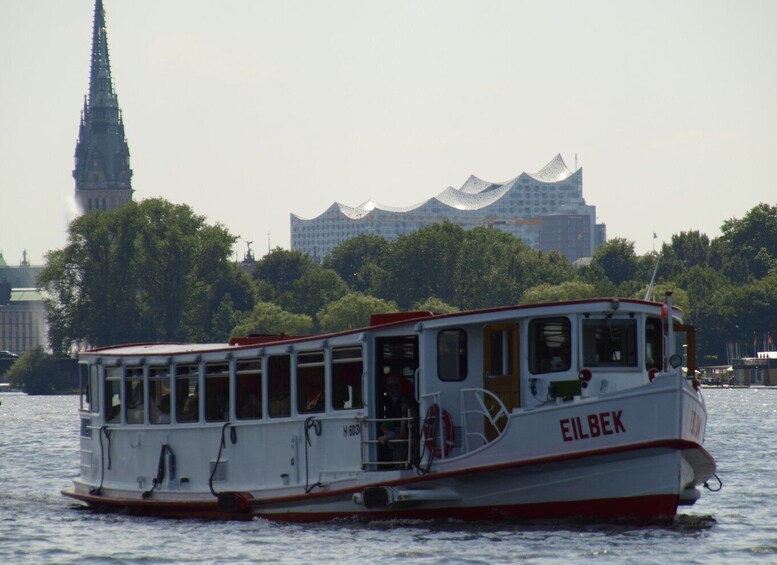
(249, 110)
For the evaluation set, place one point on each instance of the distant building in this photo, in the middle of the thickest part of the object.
(102, 161)
(23, 324)
(546, 210)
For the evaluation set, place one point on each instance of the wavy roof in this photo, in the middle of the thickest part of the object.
(474, 194)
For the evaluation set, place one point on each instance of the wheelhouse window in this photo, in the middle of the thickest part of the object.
(452, 355)
(347, 370)
(159, 394)
(310, 382)
(216, 392)
(248, 389)
(610, 342)
(550, 345)
(279, 386)
(187, 393)
(113, 395)
(654, 343)
(134, 395)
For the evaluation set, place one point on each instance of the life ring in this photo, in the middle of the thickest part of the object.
(431, 429)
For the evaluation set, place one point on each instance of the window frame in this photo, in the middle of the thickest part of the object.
(589, 330)
(541, 364)
(247, 370)
(339, 364)
(461, 355)
(311, 380)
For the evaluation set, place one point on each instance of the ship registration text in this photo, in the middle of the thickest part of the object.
(592, 425)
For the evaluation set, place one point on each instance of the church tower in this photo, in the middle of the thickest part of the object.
(102, 161)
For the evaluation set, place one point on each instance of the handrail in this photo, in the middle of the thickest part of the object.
(482, 411)
(392, 463)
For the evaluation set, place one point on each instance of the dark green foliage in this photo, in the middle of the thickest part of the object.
(419, 265)
(148, 271)
(754, 239)
(352, 311)
(356, 259)
(36, 372)
(270, 319)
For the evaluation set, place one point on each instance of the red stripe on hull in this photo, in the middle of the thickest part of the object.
(647, 509)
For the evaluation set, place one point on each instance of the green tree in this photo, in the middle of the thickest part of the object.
(225, 318)
(685, 250)
(315, 289)
(436, 306)
(616, 260)
(279, 270)
(420, 265)
(270, 319)
(148, 271)
(568, 290)
(352, 311)
(494, 268)
(754, 239)
(36, 372)
(355, 259)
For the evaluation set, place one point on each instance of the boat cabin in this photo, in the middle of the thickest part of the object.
(437, 385)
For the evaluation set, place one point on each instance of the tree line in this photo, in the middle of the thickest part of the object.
(153, 271)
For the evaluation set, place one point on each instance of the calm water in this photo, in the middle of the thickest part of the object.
(39, 439)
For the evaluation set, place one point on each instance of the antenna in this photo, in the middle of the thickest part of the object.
(268, 242)
(649, 293)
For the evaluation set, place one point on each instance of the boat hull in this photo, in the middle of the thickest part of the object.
(633, 483)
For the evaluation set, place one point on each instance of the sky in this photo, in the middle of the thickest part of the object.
(250, 110)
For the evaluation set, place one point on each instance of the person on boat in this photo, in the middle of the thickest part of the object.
(388, 433)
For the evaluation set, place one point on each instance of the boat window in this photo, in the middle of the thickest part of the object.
(610, 342)
(452, 355)
(216, 392)
(310, 382)
(279, 386)
(347, 370)
(654, 351)
(187, 393)
(159, 394)
(113, 395)
(89, 376)
(550, 345)
(248, 389)
(133, 393)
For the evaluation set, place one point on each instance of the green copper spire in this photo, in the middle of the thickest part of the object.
(102, 171)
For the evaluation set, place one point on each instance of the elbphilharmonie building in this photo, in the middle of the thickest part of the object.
(545, 209)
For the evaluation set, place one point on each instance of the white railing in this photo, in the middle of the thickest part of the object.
(475, 412)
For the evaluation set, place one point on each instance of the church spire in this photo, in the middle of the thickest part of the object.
(100, 85)
(102, 172)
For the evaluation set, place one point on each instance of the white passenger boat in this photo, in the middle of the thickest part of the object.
(560, 410)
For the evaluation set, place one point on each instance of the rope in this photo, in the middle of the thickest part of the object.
(160, 469)
(103, 430)
(311, 422)
(430, 423)
(709, 488)
(222, 445)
